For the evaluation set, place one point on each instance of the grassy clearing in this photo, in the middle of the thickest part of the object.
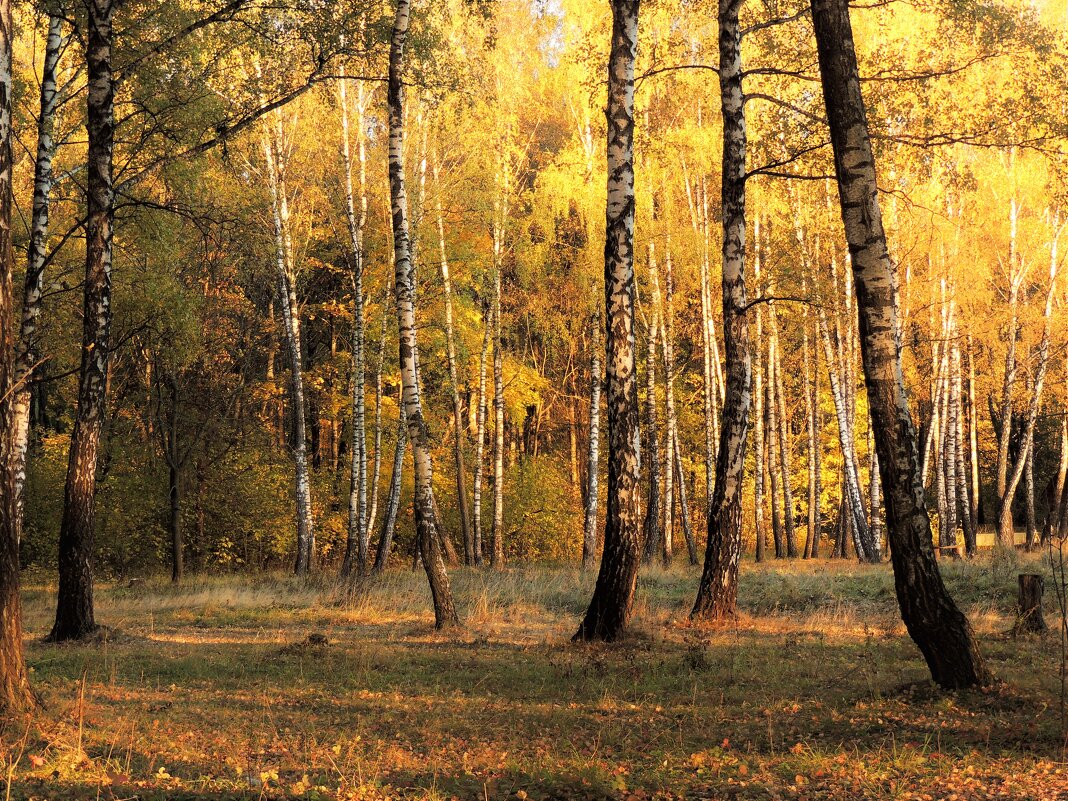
(213, 691)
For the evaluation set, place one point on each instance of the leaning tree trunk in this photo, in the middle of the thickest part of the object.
(287, 282)
(74, 609)
(850, 470)
(593, 457)
(684, 501)
(429, 544)
(15, 692)
(457, 410)
(667, 334)
(933, 620)
(356, 549)
(1005, 537)
(26, 355)
(717, 595)
(1006, 531)
(779, 398)
(376, 469)
(389, 522)
(613, 597)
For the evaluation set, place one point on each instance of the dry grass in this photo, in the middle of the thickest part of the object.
(212, 690)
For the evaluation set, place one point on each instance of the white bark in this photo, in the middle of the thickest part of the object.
(26, 356)
(275, 157)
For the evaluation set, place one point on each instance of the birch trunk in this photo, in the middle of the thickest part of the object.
(480, 436)
(74, 610)
(26, 355)
(973, 441)
(457, 409)
(758, 410)
(966, 518)
(652, 530)
(1006, 531)
(934, 621)
(497, 532)
(393, 495)
(708, 386)
(593, 459)
(15, 692)
(850, 470)
(811, 435)
(678, 484)
(429, 544)
(774, 474)
(684, 502)
(789, 522)
(949, 455)
(359, 527)
(875, 493)
(287, 278)
(376, 469)
(1029, 490)
(717, 595)
(613, 596)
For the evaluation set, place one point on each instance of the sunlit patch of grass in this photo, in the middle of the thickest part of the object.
(208, 691)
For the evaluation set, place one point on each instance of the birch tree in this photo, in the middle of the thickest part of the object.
(480, 433)
(932, 619)
(276, 159)
(15, 692)
(593, 456)
(74, 607)
(26, 351)
(457, 410)
(1008, 482)
(717, 594)
(357, 544)
(613, 596)
(428, 540)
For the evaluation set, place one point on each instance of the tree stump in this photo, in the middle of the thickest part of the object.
(1030, 604)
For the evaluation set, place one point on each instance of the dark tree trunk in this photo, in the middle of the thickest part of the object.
(15, 693)
(74, 609)
(613, 597)
(1029, 606)
(933, 620)
(717, 595)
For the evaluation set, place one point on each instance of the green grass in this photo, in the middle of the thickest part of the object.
(816, 693)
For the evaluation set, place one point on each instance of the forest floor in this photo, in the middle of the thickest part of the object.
(222, 689)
